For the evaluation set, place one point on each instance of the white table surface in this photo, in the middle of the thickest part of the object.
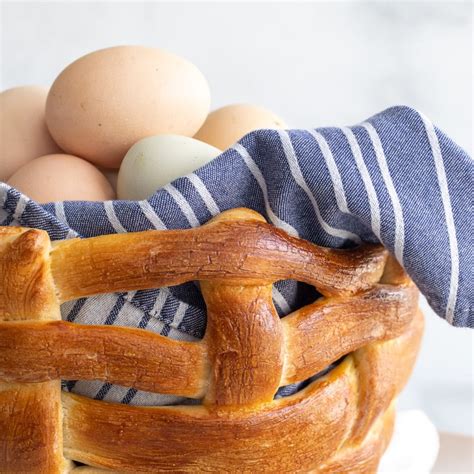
(456, 454)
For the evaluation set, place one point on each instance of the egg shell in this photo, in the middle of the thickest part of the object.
(155, 161)
(23, 132)
(111, 175)
(225, 126)
(104, 102)
(61, 177)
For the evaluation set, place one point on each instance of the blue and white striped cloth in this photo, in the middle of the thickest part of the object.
(394, 178)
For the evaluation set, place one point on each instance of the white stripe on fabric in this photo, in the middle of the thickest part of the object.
(397, 208)
(20, 207)
(67, 308)
(301, 182)
(160, 301)
(96, 309)
(3, 193)
(179, 315)
(129, 295)
(113, 219)
(155, 399)
(3, 198)
(151, 215)
(155, 325)
(87, 388)
(129, 316)
(369, 187)
(448, 212)
(257, 174)
(180, 335)
(3, 215)
(4, 187)
(61, 216)
(280, 300)
(183, 205)
(204, 193)
(333, 171)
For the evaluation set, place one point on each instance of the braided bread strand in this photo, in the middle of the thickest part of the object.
(338, 423)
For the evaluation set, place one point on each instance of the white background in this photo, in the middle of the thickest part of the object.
(314, 64)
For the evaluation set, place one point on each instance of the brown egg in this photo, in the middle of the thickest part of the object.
(61, 178)
(104, 102)
(23, 132)
(225, 126)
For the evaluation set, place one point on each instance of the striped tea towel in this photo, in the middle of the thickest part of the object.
(395, 178)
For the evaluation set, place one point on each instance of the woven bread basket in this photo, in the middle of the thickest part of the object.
(367, 318)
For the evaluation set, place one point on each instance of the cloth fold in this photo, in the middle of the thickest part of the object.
(394, 178)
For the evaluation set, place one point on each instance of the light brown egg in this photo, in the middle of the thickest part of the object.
(104, 102)
(225, 126)
(61, 178)
(23, 132)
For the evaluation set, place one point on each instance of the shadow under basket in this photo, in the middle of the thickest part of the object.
(341, 422)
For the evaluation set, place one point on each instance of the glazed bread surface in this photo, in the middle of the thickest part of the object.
(367, 319)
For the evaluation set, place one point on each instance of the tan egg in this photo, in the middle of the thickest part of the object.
(225, 126)
(23, 132)
(106, 101)
(61, 178)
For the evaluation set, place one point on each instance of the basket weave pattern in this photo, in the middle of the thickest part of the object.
(341, 422)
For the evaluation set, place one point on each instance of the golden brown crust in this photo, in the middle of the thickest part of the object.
(384, 369)
(292, 434)
(322, 332)
(30, 414)
(363, 457)
(31, 428)
(239, 252)
(40, 351)
(296, 433)
(245, 341)
(339, 423)
(26, 287)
